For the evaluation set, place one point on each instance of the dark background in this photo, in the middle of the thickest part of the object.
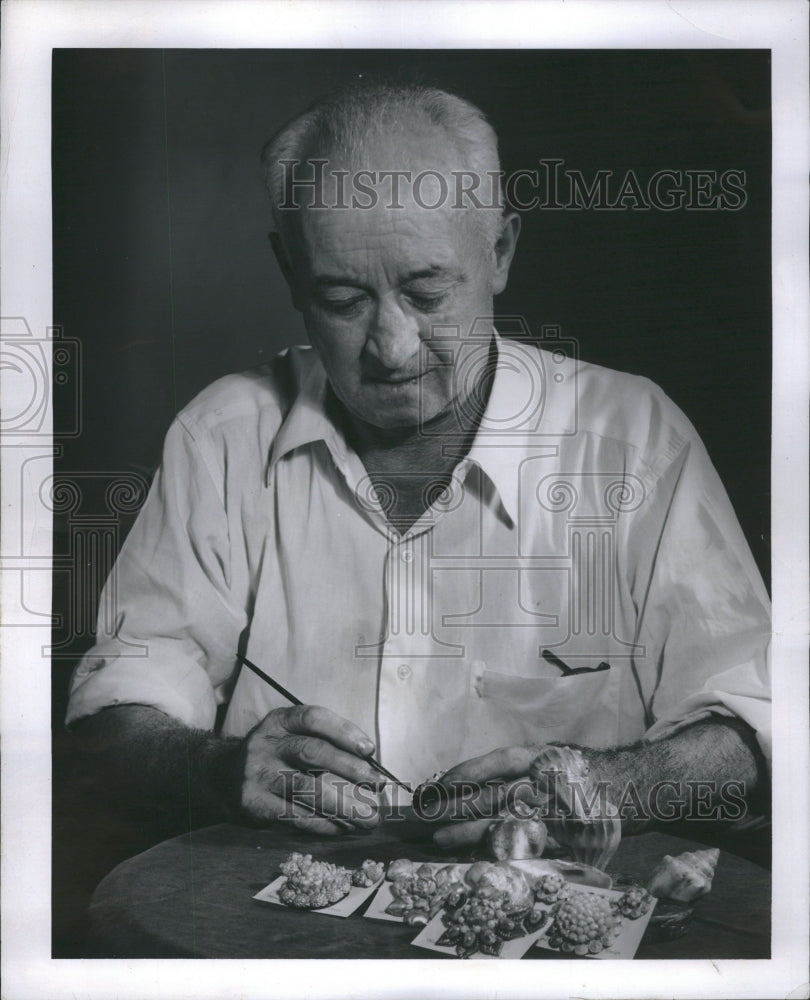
(164, 275)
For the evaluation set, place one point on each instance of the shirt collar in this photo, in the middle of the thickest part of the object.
(307, 421)
(504, 437)
(508, 432)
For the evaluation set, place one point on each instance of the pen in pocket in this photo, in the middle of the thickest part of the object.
(568, 671)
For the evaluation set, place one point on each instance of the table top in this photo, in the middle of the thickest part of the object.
(192, 897)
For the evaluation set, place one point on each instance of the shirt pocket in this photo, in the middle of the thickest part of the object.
(582, 708)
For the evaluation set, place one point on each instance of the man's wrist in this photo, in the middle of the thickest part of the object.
(220, 766)
(609, 777)
(617, 772)
(707, 771)
(141, 759)
(612, 769)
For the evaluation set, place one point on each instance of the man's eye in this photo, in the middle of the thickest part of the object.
(341, 307)
(427, 303)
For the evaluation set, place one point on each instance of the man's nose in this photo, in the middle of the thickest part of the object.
(393, 337)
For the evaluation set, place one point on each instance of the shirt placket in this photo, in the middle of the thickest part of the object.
(408, 640)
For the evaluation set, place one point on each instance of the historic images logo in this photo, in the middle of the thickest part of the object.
(551, 186)
(60, 526)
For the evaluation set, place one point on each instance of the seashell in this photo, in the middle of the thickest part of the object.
(567, 759)
(704, 861)
(416, 917)
(564, 761)
(591, 841)
(501, 877)
(577, 873)
(555, 769)
(400, 867)
(537, 868)
(450, 873)
(684, 877)
(475, 871)
(516, 839)
(580, 818)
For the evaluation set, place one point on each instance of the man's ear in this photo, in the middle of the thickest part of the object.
(280, 252)
(505, 250)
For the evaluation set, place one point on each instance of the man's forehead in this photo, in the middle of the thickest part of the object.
(344, 272)
(383, 197)
(420, 238)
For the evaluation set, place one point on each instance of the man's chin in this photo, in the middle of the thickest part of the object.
(399, 410)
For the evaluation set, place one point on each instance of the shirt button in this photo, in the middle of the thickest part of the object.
(407, 556)
(403, 671)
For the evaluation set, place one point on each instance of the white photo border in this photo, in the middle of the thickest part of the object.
(31, 29)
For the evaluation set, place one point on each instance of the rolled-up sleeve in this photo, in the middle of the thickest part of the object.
(703, 612)
(176, 622)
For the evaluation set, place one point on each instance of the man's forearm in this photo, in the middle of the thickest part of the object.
(711, 770)
(139, 757)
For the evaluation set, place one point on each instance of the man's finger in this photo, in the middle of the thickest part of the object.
(264, 806)
(461, 834)
(318, 824)
(522, 797)
(314, 720)
(505, 762)
(311, 753)
(327, 795)
(464, 800)
(336, 798)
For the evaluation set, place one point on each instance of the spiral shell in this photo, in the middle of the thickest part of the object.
(684, 877)
(703, 862)
(555, 770)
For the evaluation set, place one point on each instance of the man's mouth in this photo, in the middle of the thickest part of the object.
(395, 380)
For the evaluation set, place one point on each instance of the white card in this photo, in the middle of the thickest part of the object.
(430, 934)
(376, 908)
(384, 896)
(343, 908)
(630, 933)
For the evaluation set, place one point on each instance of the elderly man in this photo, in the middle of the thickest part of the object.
(454, 548)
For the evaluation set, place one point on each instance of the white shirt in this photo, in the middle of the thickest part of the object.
(586, 520)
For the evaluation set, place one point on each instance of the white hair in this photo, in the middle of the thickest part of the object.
(345, 123)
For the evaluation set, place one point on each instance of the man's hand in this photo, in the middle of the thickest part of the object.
(478, 789)
(715, 753)
(301, 764)
(304, 764)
